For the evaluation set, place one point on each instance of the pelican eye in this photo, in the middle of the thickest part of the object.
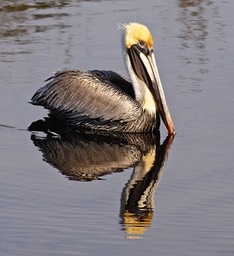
(143, 47)
(142, 44)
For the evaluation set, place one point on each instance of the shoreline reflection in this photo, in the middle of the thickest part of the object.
(89, 156)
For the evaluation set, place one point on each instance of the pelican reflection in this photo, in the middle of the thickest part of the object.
(87, 157)
(137, 201)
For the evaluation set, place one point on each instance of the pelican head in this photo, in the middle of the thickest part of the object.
(141, 64)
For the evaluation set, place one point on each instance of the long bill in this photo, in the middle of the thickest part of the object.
(160, 96)
(144, 65)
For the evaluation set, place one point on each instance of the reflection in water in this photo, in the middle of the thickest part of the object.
(196, 17)
(137, 202)
(14, 6)
(195, 24)
(87, 157)
(18, 20)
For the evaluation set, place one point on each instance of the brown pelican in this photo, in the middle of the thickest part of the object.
(103, 100)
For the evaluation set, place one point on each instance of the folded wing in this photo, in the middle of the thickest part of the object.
(89, 98)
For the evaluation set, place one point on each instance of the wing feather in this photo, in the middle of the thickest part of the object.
(88, 96)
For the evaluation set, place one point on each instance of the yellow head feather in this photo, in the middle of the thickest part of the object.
(135, 32)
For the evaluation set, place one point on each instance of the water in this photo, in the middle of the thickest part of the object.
(189, 208)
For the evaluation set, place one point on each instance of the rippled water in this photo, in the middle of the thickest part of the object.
(172, 198)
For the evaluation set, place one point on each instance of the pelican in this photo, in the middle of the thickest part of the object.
(100, 100)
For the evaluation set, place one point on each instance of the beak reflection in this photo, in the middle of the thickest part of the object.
(87, 157)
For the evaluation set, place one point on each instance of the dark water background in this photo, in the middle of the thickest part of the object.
(45, 213)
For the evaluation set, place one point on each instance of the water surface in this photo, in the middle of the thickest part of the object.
(189, 211)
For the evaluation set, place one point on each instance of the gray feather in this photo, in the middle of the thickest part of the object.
(88, 98)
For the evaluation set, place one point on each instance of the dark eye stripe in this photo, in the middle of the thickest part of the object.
(139, 68)
(137, 64)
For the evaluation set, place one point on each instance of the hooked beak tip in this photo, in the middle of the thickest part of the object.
(172, 132)
(170, 128)
(166, 117)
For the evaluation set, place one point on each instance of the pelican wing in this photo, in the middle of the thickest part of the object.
(89, 97)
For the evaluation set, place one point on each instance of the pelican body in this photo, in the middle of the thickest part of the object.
(102, 100)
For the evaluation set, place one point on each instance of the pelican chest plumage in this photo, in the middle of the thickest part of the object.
(102, 100)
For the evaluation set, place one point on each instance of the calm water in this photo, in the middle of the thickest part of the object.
(172, 198)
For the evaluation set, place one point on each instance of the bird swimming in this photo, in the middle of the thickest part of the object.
(100, 100)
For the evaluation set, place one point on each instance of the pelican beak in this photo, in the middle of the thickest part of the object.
(144, 65)
(159, 95)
